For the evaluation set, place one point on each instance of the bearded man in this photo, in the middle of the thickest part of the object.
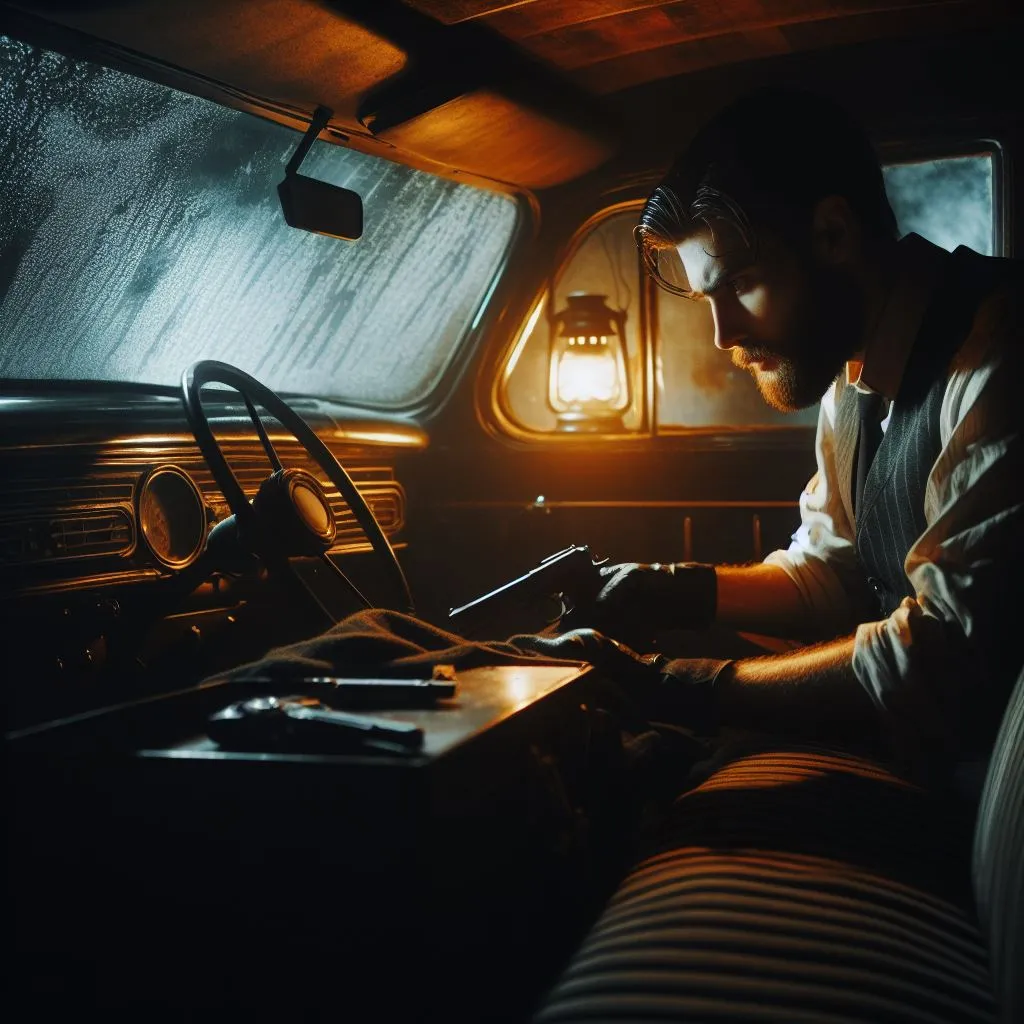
(909, 553)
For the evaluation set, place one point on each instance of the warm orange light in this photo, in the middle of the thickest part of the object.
(589, 373)
(588, 386)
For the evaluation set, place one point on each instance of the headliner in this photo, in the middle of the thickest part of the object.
(531, 93)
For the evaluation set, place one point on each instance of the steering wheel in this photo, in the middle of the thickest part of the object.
(290, 522)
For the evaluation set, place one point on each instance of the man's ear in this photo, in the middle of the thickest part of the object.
(836, 236)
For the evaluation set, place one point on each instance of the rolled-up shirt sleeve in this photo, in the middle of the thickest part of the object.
(821, 558)
(940, 667)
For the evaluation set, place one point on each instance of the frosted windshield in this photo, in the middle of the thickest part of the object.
(140, 230)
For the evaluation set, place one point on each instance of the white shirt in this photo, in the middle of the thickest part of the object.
(916, 663)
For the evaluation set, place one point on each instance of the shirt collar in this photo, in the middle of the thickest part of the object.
(879, 366)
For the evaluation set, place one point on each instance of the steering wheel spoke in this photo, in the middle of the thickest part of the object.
(327, 585)
(291, 516)
(264, 437)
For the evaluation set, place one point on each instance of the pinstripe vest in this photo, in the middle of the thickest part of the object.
(891, 517)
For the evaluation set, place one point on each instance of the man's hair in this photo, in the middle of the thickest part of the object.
(764, 161)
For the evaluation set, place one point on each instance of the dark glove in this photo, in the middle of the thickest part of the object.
(680, 690)
(688, 692)
(611, 657)
(633, 596)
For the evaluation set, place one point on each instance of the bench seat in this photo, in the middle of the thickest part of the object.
(792, 885)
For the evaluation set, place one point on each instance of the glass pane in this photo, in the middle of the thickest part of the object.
(948, 201)
(604, 264)
(697, 384)
(140, 230)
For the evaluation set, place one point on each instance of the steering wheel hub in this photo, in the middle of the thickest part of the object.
(293, 514)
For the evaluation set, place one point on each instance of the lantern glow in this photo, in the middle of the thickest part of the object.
(586, 377)
(588, 386)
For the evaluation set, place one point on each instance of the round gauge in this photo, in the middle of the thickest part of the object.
(172, 516)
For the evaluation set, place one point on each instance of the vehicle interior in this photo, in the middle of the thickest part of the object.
(240, 404)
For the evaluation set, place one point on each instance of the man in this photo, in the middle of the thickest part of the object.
(908, 557)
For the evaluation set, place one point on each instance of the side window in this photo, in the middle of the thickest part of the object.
(697, 384)
(540, 389)
(949, 200)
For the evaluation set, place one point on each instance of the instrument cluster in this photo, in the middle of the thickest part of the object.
(172, 517)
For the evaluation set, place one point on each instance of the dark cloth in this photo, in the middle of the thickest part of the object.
(387, 644)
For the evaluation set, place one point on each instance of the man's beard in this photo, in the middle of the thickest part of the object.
(827, 332)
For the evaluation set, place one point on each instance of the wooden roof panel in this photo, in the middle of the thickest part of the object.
(636, 31)
(608, 45)
(451, 12)
(678, 59)
(540, 16)
(687, 56)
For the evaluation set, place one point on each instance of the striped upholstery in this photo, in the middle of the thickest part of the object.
(792, 886)
(999, 860)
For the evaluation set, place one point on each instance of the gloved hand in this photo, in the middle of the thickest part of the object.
(680, 690)
(613, 658)
(634, 596)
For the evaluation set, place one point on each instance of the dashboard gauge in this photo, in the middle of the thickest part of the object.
(172, 517)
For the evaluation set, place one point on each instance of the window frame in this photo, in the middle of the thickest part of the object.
(502, 413)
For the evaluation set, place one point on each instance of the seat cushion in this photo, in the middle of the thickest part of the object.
(795, 885)
(999, 860)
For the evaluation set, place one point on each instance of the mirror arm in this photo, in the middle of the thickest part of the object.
(321, 117)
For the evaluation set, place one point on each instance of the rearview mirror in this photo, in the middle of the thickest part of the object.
(318, 206)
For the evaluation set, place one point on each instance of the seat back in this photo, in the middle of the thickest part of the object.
(999, 860)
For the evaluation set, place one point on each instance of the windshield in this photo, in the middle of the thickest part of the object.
(140, 230)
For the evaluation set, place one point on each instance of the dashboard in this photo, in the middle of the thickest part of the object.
(107, 503)
(137, 509)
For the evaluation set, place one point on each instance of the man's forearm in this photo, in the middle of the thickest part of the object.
(760, 599)
(812, 690)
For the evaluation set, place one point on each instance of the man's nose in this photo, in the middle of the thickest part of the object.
(728, 331)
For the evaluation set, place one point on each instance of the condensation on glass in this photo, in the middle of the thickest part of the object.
(605, 263)
(140, 230)
(948, 201)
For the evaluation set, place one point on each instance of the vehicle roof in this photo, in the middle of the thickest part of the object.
(532, 93)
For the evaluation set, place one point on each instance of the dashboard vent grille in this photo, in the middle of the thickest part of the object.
(70, 536)
(83, 495)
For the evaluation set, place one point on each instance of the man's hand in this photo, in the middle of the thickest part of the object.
(680, 690)
(613, 658)
(634, 596)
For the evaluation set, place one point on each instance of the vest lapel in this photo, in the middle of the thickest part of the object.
(845, 431)
(883, 466)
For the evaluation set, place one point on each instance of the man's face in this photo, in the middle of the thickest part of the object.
(786, 318)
